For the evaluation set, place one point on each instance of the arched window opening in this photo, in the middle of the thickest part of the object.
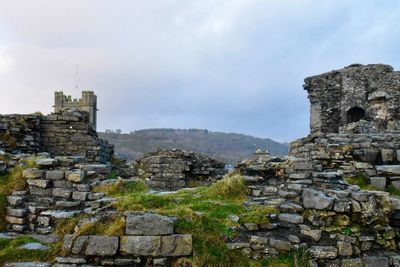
(355, 114)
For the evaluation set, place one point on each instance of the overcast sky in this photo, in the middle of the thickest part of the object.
(222, 65)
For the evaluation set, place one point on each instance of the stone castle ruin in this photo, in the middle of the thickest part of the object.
(354, 134)
(69, 131)
(311, 202)
(354, 93)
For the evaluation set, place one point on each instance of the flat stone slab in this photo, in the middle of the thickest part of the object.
(32, 173)
(60, 214)
(98, 168)
(8, 236)
(48, 162)
(324, 252)
(388, 169)
(27, 264)
(48, 239)
(290, 218)
(34, 246)
(313, 199)
(102, 246)
(176, 245)
(149, 224)
(141, 245)
(75, 176)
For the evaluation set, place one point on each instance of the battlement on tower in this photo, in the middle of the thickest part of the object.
(88, 103)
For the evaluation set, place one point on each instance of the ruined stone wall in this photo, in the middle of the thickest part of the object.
(335, 97)
(175, 169)
(67, 133)
(70, 133)
(339, 224)
(20, 133)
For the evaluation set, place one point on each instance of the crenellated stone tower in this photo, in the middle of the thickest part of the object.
(88, 103)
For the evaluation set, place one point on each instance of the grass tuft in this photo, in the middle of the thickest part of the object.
(362, 182)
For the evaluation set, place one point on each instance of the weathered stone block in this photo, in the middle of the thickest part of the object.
(290, 218)
(98, 168)
(15, 220)
(27, 264)
(77, 195)
(62, 184)
(361, 196)
(259, 240)
(341, 206)
(280, 244)
(324, 252)
(352, 263)
(70, 260)
(102, 246)
(251, 226)
(32, 173)
(79, 244)
(38, 191)
(149, 224)
(68, 204)
(387, 155)
(61, 192)
(16, 212)
(48, 162)
(141, 245)
(43, 220)
(307, 231)
(42, 183)
(379, 182)
(95, 196)
(176, 245)
(388, 169)
(55, 175)
(75, 176)
(376, 261)
(15, 200)
(344, 248)
(313, 199)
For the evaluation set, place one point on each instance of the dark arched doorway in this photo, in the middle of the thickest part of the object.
(355, 114)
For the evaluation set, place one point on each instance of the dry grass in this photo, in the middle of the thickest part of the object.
(111, 226)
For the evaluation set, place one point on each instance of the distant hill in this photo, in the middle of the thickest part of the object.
(227, 147)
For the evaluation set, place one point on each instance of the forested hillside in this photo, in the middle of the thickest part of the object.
(228, 147)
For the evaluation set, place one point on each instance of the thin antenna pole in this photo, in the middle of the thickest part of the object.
(76, 81)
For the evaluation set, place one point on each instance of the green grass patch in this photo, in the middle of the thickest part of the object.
(295, 258)
(362, 182)
(10, 182)
(10, 251)
(393, 190)
(202, 212)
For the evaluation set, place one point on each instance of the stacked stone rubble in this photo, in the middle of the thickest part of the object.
(66, 133)
(175, 169)
(20, 133)
(70, 133)
(55, 190)
(338, 224)
(149, 240)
